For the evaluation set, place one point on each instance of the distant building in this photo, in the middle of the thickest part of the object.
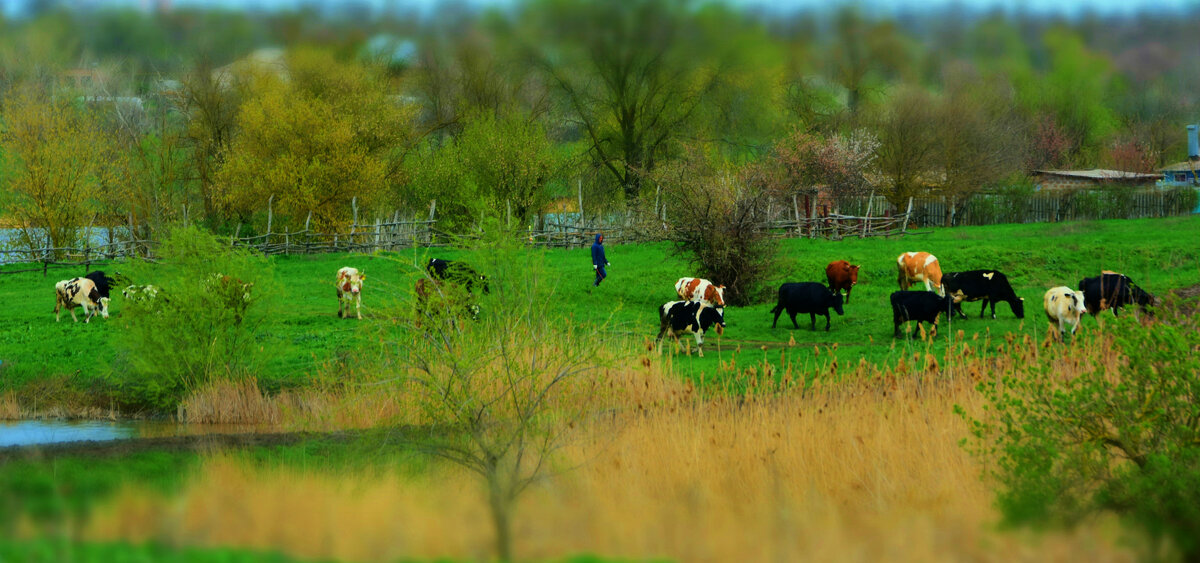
(1180, 174)
(1050, 180)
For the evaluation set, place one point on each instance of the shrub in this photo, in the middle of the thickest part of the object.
(202, 324)
(718, 222)
(1110, 426)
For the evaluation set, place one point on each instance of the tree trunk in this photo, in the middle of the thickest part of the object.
(501, 516)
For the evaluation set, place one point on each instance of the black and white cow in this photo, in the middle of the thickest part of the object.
(1111, 290)
(990, 286)
(458, 273)
(807, 297)
(79, 292)
(689, 317)
(921, 306)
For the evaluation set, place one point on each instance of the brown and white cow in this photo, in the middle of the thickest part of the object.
(700, 291)
(1064, 306)
(349, 290)
(841, 275)
(919, 267)
(79, 292)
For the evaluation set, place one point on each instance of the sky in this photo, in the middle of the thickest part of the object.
(1049, 7)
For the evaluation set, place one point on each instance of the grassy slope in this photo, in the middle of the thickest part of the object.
(1159, 254)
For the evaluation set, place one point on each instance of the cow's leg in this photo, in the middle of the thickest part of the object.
(341, 303)
(777, 310)
(827, 321)
(793, 317)
(812, 317)
(73, 318)
(983, 309)
(848, 295)
(358, 305)
(700, 343)
(57, 310)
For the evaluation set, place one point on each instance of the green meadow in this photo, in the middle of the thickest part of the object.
(44, 362)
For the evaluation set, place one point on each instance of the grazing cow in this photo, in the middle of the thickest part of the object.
(429, 290)
(921, 307)
(1111, 290)
(808, 297)
(700, 291)
(689, 317)
(459, 273)
(920, 267)
(841, 275)
(989, 285)
(104, 284)
(349, 290)
(1064, 306)
(79, 292)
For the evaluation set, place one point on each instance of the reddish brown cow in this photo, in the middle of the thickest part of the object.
(841, 275)
(700, 291)
(919, 267)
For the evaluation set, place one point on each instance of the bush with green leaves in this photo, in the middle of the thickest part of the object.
(201, 321)
(1111, 424)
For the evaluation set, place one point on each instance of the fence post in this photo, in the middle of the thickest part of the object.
(270, 216)
(907, 216)
(867, 217)
(377, 233)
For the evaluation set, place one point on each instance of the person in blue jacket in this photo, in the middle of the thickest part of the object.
(599, 261)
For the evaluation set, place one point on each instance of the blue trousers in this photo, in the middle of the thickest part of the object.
(600, 275)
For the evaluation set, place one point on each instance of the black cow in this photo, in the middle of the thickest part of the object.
(989, 285)
(1111, 290)
(684, 317)
(104, 284)
(807, 297)
(920, 306)
(458, 273)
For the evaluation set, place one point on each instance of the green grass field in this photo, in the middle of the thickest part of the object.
(1159, 254)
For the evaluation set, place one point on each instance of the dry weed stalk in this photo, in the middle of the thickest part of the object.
(866, 468)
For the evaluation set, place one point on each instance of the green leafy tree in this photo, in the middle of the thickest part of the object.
(502, 392)
(203, 320)
(1111, 426)
(54, 152)
(326, 134)
(632, 75)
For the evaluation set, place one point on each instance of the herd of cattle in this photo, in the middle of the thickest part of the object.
(701, 304)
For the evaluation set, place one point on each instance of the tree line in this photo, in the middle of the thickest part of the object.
(118, 117)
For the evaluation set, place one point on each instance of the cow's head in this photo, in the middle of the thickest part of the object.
(853, 276)
(1018, 307)
(102, 306)
(719, 300)
(835, 299)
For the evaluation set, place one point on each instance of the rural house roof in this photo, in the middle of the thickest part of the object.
(1185, 166)
(1101, 175)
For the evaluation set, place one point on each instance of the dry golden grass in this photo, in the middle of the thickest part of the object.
(9, 408)
(862, 471)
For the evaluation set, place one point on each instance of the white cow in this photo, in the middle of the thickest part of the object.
(1064, 306)
(79, 292)
(349, 290)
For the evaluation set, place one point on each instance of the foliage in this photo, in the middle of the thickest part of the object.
(633, 74)
(55, 150)
(803, 163)
(211, 305)
(717, 222)
(1110, 427)
(498, 166)
(314, 141)
(501, 391)
(908, 144)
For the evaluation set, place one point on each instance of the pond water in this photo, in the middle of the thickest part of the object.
(34, 432)
(12, 236)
